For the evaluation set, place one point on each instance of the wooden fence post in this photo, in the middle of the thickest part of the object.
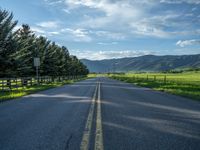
(31, 81)
(2, 84)
(8, 83)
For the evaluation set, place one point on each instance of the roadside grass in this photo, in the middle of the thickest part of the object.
(92, 75)
(22, 91)
(183, 84)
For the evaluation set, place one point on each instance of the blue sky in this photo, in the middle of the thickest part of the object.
(103, 29)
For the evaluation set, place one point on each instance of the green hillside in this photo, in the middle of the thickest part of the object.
(144, 63)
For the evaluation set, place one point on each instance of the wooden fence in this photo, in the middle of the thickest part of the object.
(164, 79)
(11, 83)
(161, 78)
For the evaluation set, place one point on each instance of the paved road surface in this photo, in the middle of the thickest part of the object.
(141, 119)
(128, 118)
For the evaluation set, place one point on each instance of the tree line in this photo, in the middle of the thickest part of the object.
(18, 49)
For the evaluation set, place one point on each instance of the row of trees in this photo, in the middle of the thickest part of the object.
(18, 48)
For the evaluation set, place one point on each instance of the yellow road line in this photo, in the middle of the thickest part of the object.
(99, 133)
(86, 135)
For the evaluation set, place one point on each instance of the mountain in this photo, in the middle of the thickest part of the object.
(144, 63)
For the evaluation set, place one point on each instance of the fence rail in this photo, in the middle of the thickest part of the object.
(161, 78)
(11, 83)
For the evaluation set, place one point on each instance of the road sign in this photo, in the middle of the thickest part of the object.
(37, 64)
(36, 61)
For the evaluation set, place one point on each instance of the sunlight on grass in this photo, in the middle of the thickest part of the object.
(183, 84)
(92, 75)
(22, 91)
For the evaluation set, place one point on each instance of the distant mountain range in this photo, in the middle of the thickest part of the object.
(143, 63)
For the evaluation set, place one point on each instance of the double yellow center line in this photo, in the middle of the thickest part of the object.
(98, 145)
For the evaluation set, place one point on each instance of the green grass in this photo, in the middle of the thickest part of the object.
(22, 91)
(185, 84)
(92, 75)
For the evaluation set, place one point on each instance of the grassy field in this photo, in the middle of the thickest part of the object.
(186, 84)
(22, 91)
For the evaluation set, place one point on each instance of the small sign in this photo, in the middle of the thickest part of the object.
(36, 61)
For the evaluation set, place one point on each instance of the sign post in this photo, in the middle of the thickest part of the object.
(37, 64)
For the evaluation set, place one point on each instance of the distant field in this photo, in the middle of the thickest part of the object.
(186, 84)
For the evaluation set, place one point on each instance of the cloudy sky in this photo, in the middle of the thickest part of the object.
(103, 29)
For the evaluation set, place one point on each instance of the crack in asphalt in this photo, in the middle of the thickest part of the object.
(68, 142)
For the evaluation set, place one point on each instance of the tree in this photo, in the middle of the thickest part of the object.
(27, 50)
(42, 45)
(7, 43)
(18, 49)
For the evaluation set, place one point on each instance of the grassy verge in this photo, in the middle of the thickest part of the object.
(92, 75)
(22, 91)
(177, 84)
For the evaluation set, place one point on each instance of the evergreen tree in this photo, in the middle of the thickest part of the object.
(27, 50)
(7, 43)
(18, 49)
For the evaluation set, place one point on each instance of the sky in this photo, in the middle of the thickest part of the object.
(105, 29)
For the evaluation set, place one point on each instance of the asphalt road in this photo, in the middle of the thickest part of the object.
(50, 120)
(130, 118)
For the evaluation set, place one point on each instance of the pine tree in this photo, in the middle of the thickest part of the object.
(18, 49)
(27, 50)
(7, 43)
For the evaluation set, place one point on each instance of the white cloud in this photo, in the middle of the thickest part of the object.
(99, 55)
(187, 42)
(67, 11)
(107, 43)
(166, 19)
(180, 1)
(79, 34)
(53, 2)
(110, 35)
(120, 20)
(127, 16)
(53, 33)
(147, 30)
(112, 12)
(186, 33)
(38, 30)
(48, 24)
